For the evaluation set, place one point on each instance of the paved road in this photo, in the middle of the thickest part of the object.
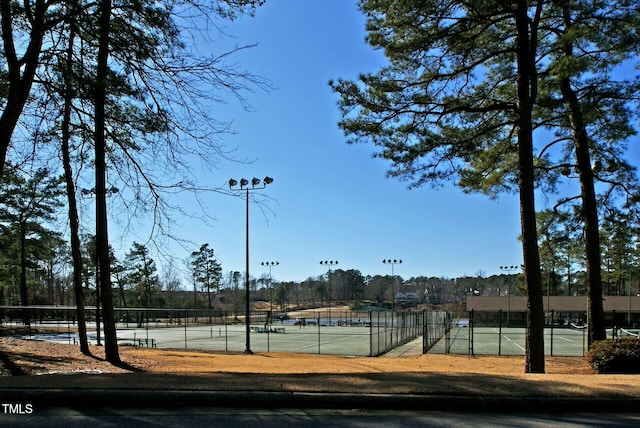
(264, 418)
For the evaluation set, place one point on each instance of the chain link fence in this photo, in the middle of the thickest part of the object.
(325, 331)
(497, 334)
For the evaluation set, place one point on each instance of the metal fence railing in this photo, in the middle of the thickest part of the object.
(392, 329)
(341, 332)
(436, 326)
(466, 335)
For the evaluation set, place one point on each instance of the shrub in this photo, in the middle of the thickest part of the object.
(615, 356)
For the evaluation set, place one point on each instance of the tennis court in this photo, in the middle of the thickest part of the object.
(342, 333)
(345, 333)
(339, 332)
(300, 339)
(558, 341)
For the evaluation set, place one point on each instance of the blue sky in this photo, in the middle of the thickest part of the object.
(330, 200)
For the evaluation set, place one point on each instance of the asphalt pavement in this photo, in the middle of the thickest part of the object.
(460, 393)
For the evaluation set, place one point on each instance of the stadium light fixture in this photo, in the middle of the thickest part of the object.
(508, 269)
(244, 187)
(393, 276)
(329, 263)
(392, 262)
(270, 265)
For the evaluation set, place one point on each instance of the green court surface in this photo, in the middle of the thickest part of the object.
(511, 341)
(310, 339)
(335, 339)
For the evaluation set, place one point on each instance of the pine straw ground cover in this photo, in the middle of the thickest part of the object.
(36, 364)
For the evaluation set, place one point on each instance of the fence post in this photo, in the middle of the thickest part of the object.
(447, 335)
(377, 333)
(425, 331)
(471, 327)
(318, 334)
(371, 333)
(386, 325)
(500, 334)
(551, 332)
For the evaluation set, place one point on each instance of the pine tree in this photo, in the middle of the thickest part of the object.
(456, 101)
(27, 204)
(206, 270)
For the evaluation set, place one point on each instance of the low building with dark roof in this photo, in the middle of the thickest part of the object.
(618, 310)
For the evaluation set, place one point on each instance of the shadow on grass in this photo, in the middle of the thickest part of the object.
(33, 360)
(128, 367)
(10, 366)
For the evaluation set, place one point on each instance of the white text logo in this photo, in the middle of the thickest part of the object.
(17, 409)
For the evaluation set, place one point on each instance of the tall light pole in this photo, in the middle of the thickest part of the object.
(393, 290)
(329, 263)
(393, 282)
(244, 186)
(508, 269)
(270, 265)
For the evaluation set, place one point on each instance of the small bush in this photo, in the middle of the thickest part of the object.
(615, 356)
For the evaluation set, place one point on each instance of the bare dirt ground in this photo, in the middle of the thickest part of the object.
(37, 358)
(422, 374)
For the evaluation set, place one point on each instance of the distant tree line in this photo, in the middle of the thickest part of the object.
(36, 270)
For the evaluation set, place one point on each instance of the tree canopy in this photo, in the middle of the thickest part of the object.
(470, 88)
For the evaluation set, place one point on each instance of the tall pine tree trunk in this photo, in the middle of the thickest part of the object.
(102, 239)
(588, 194)
(526, 92)
(589, 215)
(74, 224)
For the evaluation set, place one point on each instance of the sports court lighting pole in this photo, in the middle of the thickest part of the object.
(270, 264)
(329, 263)
(393, 283)
(244, 186)
(508, 269)
(393, 290)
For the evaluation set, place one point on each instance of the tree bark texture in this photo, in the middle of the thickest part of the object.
(74, 223)
(102, 239)
(589, 203)
(535, 311)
